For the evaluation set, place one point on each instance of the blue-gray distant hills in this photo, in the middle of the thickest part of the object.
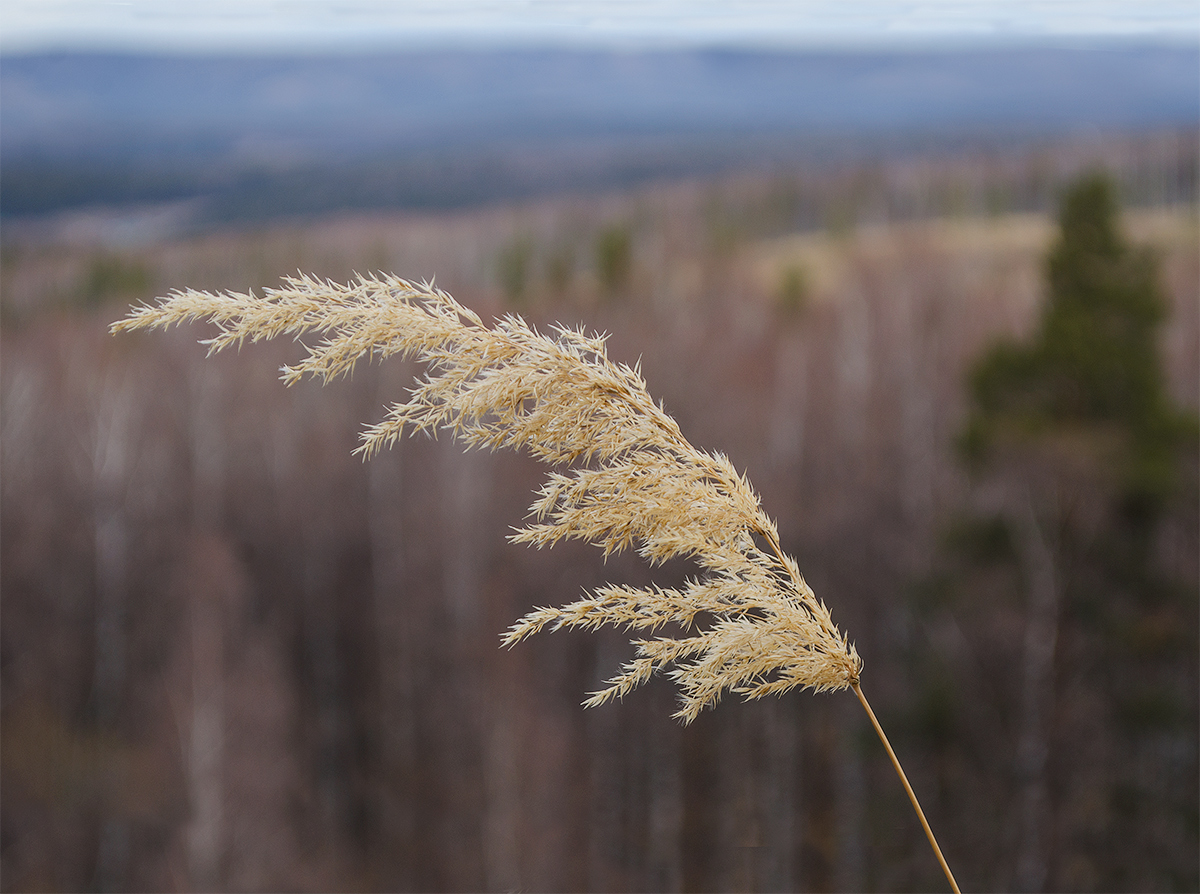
(276, 135)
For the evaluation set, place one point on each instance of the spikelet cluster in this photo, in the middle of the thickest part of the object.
(624, 476)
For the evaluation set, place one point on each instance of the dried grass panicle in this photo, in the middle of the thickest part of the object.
(627, 477)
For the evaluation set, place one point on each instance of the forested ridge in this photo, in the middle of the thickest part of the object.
(235, 656)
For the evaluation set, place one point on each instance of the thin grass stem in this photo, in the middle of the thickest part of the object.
(908, 788)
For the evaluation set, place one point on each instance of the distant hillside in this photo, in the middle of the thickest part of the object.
(279, 135)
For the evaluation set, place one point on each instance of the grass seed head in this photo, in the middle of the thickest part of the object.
(624, 476)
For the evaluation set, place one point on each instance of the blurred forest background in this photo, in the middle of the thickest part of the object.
(236, 657)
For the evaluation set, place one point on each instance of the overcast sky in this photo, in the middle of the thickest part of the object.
(342, 24)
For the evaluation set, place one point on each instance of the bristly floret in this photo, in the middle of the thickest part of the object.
(627, 477)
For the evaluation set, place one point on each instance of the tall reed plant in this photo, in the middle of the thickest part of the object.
(623, 477)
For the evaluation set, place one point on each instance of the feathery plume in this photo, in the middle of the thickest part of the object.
(625, 478)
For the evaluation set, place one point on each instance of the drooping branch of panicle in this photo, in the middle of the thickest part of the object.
(624, 476)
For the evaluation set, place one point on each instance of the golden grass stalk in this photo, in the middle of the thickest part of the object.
(624, 477)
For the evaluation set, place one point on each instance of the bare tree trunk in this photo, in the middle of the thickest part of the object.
(1037, 705)
(111, 408)
(206, 441)
(111, 539)
(918, 408)
(206, 741)
(791, 405)
(395, 796)
(467, 479)
(739, 823)
(318, 617)
(111, 424)
(665, 797)
(206, 738)
(854, 368)
(501, 859)
(319, 629)
(850, 784)
(777, 796)
(21, 403)
(606, 784)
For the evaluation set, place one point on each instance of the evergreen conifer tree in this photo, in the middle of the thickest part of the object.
(1093, 363)
(1080, 459)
